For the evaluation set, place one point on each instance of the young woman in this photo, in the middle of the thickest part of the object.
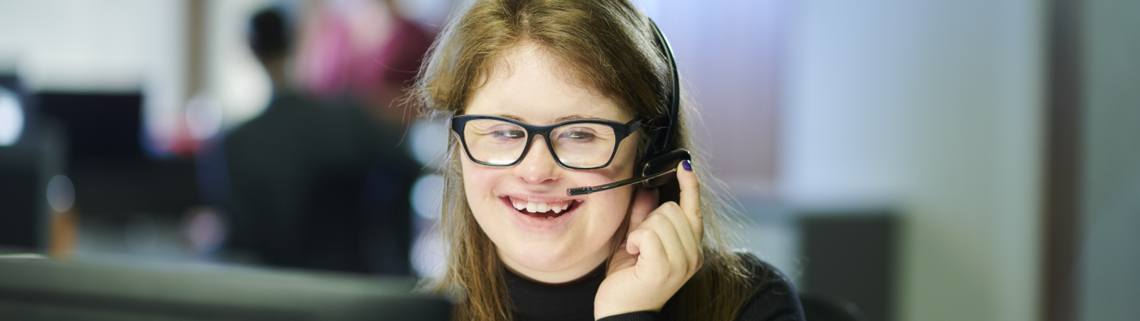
(546, 96)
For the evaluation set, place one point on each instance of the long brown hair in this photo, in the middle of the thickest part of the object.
(607, 45)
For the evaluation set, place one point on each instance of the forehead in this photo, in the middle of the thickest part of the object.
(531, 85)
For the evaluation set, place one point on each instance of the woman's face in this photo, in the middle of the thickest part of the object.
(530, 86)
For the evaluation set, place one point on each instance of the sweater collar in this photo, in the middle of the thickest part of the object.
(573, 300)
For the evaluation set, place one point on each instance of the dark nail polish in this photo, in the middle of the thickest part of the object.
(687, 165)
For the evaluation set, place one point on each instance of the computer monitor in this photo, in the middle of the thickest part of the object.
(46, 289)
(98, 124)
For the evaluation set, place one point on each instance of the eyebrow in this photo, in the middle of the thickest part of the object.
(558, 120)
(572, 117)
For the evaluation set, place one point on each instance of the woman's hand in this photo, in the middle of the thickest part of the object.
(661, 253)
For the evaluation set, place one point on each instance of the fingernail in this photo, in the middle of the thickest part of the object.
(687, 165)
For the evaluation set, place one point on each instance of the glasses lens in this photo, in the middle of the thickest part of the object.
(494, 142)
(584, 145)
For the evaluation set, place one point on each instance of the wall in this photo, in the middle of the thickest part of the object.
(99, 45)
(728, 58)
(935, 108)
(1109, 265)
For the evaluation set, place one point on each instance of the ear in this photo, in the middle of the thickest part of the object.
(656, 130)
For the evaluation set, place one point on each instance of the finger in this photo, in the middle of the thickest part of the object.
(667, 232)
(621, 260)
(644, 201)
(682, 225)
(653, 260)
(690, 195)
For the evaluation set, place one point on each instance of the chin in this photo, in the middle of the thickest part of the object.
(551, 263)
(539, 258)
(547, 243)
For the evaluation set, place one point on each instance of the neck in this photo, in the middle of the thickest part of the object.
(275, 68)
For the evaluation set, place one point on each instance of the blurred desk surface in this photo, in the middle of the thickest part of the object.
(45, 289)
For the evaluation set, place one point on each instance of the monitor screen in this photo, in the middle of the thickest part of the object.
(98, 124)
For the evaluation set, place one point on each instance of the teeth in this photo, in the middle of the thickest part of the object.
(534, 207)
(540, 207)
(549, 217)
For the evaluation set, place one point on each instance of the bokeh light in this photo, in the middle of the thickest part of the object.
(428, 141)
(11, 118)
(60, 193)
(203, 117)
(427, 194)
(428, 253)
(204, 229)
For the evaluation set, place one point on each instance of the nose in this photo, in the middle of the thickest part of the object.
(538, 165)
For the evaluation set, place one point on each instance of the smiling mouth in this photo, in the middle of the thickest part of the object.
(547, 210)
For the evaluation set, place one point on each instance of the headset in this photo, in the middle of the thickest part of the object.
(661, 163)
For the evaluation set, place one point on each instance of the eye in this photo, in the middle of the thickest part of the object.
(578, 134)
(509, 134)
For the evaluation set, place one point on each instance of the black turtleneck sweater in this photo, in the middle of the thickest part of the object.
(774, 297)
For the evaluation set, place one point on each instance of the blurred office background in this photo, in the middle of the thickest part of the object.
(929, 160)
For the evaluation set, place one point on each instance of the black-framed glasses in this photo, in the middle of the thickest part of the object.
(575, 144)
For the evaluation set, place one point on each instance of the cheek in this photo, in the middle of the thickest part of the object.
(478, 181)
(623, 166)
(610, 207)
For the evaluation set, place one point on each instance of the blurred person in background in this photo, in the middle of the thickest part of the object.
(311, 183)
(364, 49)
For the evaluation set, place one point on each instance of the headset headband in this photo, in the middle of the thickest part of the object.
(662, 138)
